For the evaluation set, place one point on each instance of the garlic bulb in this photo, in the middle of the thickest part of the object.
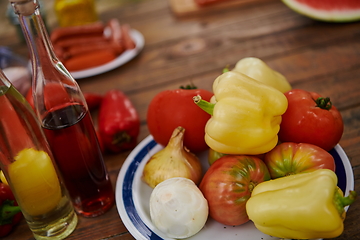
(178, 208)
(173, 161)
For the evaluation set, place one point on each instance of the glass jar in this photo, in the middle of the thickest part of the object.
(30, 169)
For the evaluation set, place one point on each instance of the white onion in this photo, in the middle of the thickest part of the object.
(178, 208)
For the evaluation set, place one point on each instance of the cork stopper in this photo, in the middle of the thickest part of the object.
(24, 7)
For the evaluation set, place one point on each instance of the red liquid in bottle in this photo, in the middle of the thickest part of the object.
(79, 159)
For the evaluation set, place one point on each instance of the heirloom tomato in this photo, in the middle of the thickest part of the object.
(312, 119)
(173, 108)
(227, 185)
(290, 158)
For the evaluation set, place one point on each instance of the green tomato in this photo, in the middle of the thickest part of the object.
(214, 155)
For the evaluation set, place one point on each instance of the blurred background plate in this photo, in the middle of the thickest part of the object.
(120, 60)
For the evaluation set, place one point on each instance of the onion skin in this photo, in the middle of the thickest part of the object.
(173, 161)
(178, 208)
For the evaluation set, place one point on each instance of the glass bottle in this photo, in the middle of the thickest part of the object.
(65, 119)
(75, 12)
(29, 168)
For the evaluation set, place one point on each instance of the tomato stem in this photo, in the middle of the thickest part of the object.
(204, 105)
(323, 103)
(252, 185)
(189, 86)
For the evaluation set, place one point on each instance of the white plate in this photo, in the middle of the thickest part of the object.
(132, 198)
(120, 60)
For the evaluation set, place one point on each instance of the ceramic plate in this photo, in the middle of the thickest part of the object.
(120, 60)
(132, 198)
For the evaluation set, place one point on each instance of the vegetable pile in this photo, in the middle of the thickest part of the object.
(267, 153)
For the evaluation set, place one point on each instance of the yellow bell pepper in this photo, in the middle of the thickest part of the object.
(246, 115)
(35, 182)
(301, 206)
(260, 71)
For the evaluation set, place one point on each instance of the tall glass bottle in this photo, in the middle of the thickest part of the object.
(65, 118)
(29, 168)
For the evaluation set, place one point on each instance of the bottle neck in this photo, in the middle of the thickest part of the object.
(41, 51)
(50, 77)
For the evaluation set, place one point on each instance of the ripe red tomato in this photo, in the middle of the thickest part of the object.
(227, 185)
(292, 158)
(312, 119)
(173, 108)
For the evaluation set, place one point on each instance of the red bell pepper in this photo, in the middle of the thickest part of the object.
(93, 100)
(10, 213)
(119, 123)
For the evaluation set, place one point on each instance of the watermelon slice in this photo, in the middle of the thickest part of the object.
(327, 10)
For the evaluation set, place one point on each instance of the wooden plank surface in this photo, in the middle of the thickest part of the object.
(315, 56)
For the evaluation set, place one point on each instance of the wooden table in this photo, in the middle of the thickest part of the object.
(315, 56)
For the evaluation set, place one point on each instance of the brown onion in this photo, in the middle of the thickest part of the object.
(174, 160)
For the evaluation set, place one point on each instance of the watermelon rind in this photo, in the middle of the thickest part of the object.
(348, 15)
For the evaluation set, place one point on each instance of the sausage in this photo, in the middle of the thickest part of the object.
(74, 50)
(120, 35)
(126, 37)
(78, 40)
(115, 35)
(96, 28)
(89, 60)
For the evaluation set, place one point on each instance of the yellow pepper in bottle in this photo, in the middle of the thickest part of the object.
(246, 115)
(36, 183)
(260, 71)
(301, 206)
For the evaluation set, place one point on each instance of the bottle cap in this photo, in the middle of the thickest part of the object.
(24, 7)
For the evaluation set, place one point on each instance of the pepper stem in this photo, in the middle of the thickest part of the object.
(226, 69)
(340, 201)
(204, 105)
(323, 103)
(121, 138)
(8, 211)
